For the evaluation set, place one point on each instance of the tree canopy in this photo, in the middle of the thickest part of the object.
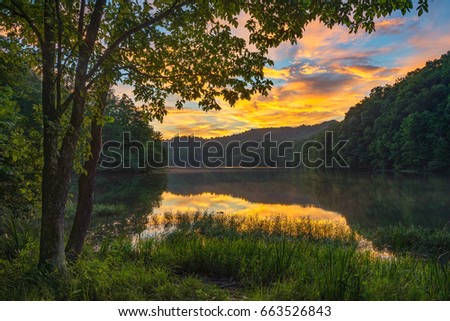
(402, 126)
(183, 48)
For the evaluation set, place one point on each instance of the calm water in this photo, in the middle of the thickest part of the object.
(366, 200)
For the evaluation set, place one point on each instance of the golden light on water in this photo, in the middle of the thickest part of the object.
(322, 224)
(227, 204)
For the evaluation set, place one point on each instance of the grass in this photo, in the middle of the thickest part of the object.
(220, 257)
(415, 240)
(15, 233)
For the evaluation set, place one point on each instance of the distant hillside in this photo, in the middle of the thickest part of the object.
(278, 135)
(405, 126)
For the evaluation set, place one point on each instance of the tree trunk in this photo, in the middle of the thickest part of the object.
(54, 197)
(58, 163)
(86, 185)
(51, 254)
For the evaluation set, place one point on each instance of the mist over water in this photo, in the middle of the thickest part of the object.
(357, 199)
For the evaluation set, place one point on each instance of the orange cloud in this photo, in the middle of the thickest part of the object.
(276, 73)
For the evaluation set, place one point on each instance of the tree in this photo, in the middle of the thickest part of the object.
(404, 126)
(128, 125)
(20, 134)
(126, 118)
(183, 48)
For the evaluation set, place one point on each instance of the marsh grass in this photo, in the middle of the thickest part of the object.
(414, 240)
(230, 225)
(220, 257)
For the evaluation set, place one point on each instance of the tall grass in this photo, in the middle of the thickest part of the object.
(14, 234)
(419, 241)
(214, 257)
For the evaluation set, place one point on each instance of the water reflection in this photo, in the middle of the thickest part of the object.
(366, 200)
(123, 203)
(221, 203)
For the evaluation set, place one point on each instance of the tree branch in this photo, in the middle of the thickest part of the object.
(175, 76)
(112, 47)
(129, 33)
(24, 15)
(86, 47)
(81, 20)
(80, 35)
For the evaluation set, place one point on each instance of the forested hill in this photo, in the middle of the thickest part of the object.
(234, 157)
(402, 126)
(278, 134)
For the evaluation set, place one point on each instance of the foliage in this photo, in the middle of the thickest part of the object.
(20, 136)
(405, 126)
(141, 146)
(415, 240)
(209, 257)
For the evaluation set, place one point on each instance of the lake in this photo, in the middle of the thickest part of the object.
(358, 199)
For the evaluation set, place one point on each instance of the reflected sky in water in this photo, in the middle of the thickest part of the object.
(214, 203)
(354, 199)
(362, 199)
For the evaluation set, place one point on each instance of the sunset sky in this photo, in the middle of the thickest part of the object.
(327, 72)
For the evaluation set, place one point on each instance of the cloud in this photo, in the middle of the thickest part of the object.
(276, 73)
(326, 73)
(391, 26)
(429, 47)
(319, 84)
(197, 122)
